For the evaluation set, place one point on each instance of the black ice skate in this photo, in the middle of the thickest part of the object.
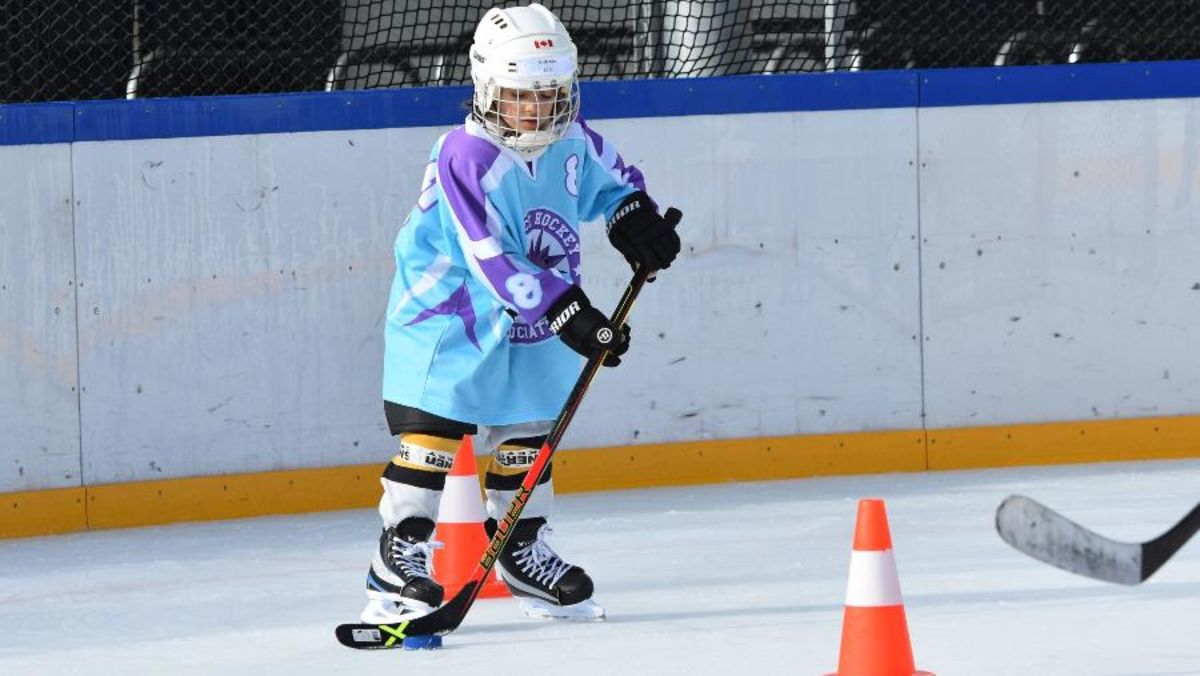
(400, 585)
(547, 586)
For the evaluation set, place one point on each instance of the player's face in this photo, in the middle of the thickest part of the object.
(526, 109)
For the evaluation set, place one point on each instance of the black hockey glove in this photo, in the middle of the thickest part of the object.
(641, 235)
(585, 329)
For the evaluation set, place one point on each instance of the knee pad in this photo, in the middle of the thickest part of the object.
(425, 453)
(414, 479)
(506, 471)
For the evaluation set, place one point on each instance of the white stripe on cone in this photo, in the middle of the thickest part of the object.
(873, 581)
(460, 501)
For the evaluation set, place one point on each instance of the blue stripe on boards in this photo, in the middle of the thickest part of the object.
(269, 113)
(29, 123)
(430, 106)
(1046, 84)
(749, 94)
(443, 106)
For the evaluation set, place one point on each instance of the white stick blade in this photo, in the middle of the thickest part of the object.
(1048, 536)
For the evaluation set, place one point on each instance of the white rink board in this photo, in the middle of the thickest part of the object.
(235, 289)
(39, 410)
(232, 289)
(794, 309)
(1061, 261)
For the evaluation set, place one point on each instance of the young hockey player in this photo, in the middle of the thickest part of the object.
(486, 320)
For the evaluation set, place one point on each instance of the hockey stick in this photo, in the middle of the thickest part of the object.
(447, 618)
(1048, 536)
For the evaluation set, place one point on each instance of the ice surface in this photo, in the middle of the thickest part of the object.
(738, 578)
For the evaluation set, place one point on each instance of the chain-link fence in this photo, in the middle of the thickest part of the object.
(63, 49)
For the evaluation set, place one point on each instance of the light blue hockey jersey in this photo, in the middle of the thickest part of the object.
(492, 233)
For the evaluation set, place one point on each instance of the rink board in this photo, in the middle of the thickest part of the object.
(39, 399)
(191, 292)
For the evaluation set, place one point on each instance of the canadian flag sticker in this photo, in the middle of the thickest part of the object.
(539, 44)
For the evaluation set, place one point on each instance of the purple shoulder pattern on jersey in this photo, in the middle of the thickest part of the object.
(463, 161)
(597, 140)
(629, 173)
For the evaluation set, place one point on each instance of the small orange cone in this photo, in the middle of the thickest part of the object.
(874, 631)
(460, 528)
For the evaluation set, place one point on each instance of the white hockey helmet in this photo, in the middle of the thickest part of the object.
(522, 56)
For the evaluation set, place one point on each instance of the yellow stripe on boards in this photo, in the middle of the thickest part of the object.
(232, 496)
(756, 459)
(1065, 443)
(47, 512)
(644, 466)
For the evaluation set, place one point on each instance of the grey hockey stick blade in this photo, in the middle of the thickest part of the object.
(1048, 536)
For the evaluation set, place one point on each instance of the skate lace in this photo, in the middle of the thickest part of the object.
(414, 559)
(539, 561)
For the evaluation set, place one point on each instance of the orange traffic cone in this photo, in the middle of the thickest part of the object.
(874, 632)
(460, 528)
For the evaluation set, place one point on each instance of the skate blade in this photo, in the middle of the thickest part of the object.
(584, 611)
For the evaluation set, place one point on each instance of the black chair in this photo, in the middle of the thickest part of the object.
(1140, 31)
(395, 43)
(203, 47)
(746, 36)
(613, 38)
(48, 54)
(765, 37)
(1052, 31)
(892, 34)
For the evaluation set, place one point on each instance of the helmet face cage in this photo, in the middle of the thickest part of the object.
(526, 119)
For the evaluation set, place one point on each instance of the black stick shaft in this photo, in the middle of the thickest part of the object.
(620, 314)
(457, 608)
(1157, 551)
